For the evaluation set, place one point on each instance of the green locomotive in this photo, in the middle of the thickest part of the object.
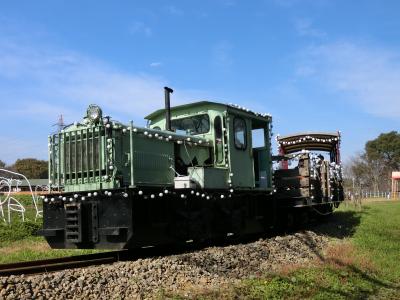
(192, 174)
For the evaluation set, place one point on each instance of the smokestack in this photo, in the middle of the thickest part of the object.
(168, 91)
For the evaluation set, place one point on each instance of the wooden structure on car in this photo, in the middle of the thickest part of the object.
(317, 176)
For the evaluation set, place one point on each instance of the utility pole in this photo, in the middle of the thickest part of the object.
(60, 124)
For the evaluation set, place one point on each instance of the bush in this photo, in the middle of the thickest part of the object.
(18, 230)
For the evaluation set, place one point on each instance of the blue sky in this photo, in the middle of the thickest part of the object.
(313, 64)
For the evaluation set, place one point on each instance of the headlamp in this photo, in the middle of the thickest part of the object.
(94, 113)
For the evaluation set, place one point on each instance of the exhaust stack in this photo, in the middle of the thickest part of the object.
(168, 91)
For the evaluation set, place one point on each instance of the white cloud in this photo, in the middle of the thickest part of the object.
(39, 82)
(304, 27)
(55, 81)
(141, 28)
(293, 3)
(368, 75)
(286, 3)
(156, 64)
(14, 147)
(222, 54)
(40, 109)
(173, 10)
(228, 2)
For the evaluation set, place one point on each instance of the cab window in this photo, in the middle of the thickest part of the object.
(218, 140)
(240, 133)
(192, 125)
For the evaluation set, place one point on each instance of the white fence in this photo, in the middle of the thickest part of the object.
(9, 204)
(377, 194)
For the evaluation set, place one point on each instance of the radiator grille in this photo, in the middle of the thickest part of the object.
(76, 156)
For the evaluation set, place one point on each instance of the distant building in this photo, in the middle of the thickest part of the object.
(21, 185)
(395, 184)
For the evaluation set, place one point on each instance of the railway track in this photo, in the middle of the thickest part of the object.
(79, 261)
(57, 264)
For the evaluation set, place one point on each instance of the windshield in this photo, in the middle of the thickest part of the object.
(192, 125)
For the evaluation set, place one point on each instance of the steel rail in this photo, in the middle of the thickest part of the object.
(79, 261)
(62, 263)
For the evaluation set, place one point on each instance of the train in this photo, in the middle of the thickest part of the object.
(196, 172)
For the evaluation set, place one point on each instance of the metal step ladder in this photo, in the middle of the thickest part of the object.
(73, 223)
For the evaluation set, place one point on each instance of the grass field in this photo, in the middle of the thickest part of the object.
(365, 263)
(18, 240)
(363, 260)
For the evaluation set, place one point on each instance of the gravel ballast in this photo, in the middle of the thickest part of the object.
(209, 268)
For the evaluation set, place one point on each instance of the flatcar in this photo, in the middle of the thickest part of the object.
(196, 172)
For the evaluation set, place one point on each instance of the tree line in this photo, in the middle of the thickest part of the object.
(371, 169)
(32, 168)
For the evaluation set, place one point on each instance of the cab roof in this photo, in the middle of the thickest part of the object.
(207, 105)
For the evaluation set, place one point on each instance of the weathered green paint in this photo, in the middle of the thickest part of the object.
(210, 178)
(90, 156)
(130, 158)
(241, 161)
(152, 160)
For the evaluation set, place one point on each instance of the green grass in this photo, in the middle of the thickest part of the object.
(19, 242)
(19, 230)
(316, 283)
(363, 263)
(371, 269)
(34, 248)
(379, 236)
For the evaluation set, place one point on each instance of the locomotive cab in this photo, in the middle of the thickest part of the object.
(231, 129)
